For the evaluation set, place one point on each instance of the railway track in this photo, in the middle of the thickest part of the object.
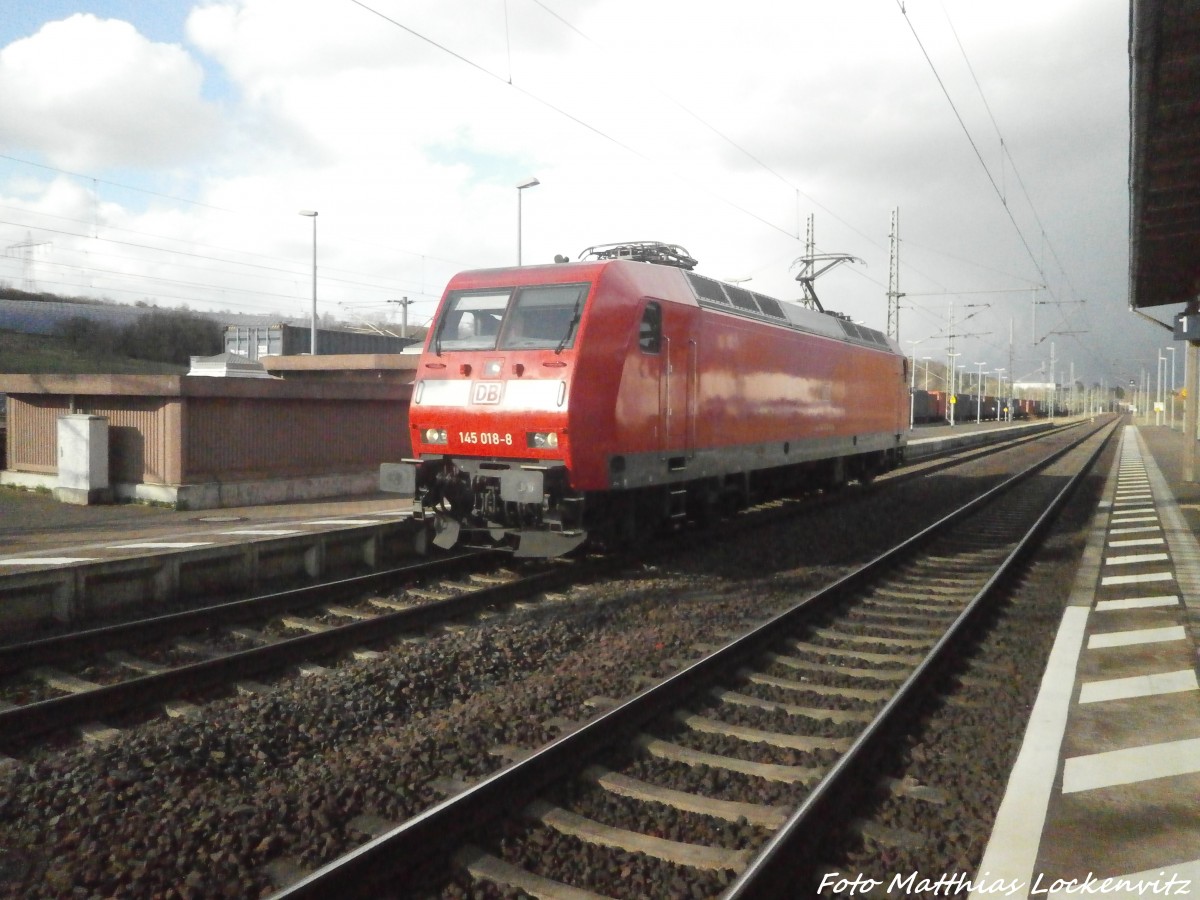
(79, 679)
(112, 670)
(722, 773)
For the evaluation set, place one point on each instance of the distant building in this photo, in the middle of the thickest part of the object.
(255, 341)
(1021, 388)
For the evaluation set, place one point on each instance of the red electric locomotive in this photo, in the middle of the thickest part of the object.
(608, 396)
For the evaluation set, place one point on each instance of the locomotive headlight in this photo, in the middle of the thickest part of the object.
(542, 440)
(435, 435)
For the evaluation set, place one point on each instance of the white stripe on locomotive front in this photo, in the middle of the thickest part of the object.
(516, 395)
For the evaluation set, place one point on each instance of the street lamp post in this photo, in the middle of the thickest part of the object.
(960, 378)
(926, 359)
(312, 349)
(1158, 390)
(912, 386)
(951, 384)
(979, 394)
(531, 182)
(1172, 349)
(912, 391)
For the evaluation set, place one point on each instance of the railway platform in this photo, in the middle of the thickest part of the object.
(933, 440)
(63, 564)
(1103, 799)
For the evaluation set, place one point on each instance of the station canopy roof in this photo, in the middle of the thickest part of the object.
(1164, 160)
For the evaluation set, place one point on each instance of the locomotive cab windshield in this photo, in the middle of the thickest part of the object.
(539, 317)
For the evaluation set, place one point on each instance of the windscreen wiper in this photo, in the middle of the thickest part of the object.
(571, 327)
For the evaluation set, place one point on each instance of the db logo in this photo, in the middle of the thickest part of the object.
(486, 392)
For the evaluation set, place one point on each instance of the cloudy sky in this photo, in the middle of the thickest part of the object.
(161, 152)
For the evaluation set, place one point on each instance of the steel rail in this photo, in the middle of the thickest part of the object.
(73, 645)
(396, 860)
(30, 720)
(955, 456)
(787, 859)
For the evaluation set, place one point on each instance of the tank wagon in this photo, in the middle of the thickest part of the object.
(605, 397)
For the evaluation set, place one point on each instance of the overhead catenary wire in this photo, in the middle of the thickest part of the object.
(509, 81)
(1007, 155)
(727, 139)
(1000, 194)
(583, 123)
(669, 98)
(482, 69)
(93, 231)
(198, 261)
(971, 140)
(767, 168)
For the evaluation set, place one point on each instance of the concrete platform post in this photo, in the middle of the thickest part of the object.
(1192, 400)
(314, 559)
(371, 550)
(1191, 387)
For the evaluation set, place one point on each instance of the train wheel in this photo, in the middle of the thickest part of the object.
(735, 495)
(619, 527)
(628, 528)
(835, 475)
(654, 511)
(704, 504)
(864, 470)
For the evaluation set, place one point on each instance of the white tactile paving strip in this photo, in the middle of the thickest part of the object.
(1139, 686)
(1136, 636)
(1130, 765)
(1107, 782)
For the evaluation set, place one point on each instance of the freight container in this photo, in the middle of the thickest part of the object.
(928, 407)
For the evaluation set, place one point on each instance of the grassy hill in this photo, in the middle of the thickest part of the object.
(39, 354)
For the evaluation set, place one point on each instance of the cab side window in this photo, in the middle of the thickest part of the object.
(650, 329)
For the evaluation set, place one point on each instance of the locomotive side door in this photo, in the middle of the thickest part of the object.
(666, 329)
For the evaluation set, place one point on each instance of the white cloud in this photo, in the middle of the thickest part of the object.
(89, 93)
(714, 126)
